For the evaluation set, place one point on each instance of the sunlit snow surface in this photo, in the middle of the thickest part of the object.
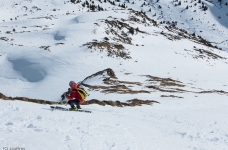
(187, 124)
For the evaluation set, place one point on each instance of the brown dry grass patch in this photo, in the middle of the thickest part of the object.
(113, 49)
(133, 102)
(173, 96)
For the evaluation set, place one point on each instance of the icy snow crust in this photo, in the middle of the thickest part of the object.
(41, 50)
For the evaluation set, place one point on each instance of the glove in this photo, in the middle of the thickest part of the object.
(63, 96)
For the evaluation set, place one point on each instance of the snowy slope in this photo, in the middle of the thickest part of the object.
(53, 44)
(173, 124)
(211, 24)
(156, 51)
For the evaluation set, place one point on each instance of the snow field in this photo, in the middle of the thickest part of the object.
(161, 126)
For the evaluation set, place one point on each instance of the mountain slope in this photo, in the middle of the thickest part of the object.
(171, 53)
(65, 41)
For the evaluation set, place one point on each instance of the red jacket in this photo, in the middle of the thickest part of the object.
(75, 95)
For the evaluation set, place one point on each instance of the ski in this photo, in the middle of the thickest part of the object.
(67, 109)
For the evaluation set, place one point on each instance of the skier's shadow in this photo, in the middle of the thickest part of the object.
(46, 108)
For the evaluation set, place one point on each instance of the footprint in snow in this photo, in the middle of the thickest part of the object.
(31, 126)
(18, 109)
(214, 139)
(39, 117)
(38, 130)
(9, 124)
(68, 138)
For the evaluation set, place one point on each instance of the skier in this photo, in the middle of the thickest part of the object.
(74, 97)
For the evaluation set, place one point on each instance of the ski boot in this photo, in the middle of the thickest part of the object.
(73, 108)
(78, 106)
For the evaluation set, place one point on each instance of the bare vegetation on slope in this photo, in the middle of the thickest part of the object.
(120, 31)
(204, 54)
(113, 49)
(141, 18)
(173, 96)
(178, 34)
(131, 103)
(164, 84)
(113, 85)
